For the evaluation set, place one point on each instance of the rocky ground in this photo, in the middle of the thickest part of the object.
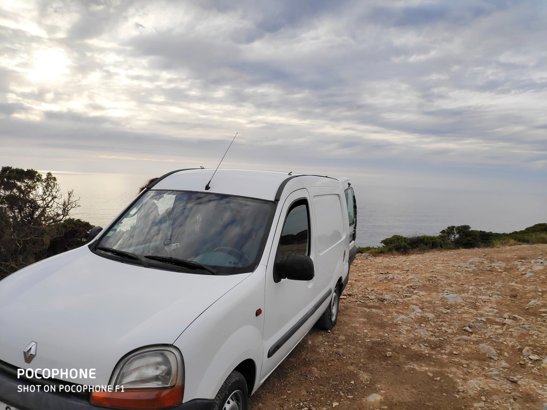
(459, 329)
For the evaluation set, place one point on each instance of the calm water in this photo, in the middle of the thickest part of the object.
(382, 211)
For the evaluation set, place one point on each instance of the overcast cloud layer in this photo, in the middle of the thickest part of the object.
(410, 89)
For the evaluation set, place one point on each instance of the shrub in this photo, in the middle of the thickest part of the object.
(31, 208)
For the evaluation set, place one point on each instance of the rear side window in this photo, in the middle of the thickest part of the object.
(352, 211)
(295, 236)
(330, 224)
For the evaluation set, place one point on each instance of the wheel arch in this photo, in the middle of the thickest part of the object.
(248, 369)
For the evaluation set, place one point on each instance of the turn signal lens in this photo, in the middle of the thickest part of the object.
(139, 398)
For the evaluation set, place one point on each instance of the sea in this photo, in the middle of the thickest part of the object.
(382, 211)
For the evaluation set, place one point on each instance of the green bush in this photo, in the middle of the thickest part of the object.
(396, 243)
(462, 236)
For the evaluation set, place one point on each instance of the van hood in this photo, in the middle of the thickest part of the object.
(85, 311)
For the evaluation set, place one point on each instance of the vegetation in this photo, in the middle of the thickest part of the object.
(456, 237)
(34, 219)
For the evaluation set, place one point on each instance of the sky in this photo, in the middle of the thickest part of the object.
(415, 93)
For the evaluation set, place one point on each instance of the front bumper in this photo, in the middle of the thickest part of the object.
(40, 400)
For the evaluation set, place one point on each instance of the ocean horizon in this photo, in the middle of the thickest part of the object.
(383, 211)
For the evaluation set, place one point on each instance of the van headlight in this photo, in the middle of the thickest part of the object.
(150, 378)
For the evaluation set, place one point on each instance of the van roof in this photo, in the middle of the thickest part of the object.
(249, 183)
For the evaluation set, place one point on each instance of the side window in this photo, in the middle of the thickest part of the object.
(352, 211)
(295, 236)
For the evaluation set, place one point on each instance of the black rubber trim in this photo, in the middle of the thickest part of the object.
(286, 181)
(282, 186)
(277, 345)
(150, 186)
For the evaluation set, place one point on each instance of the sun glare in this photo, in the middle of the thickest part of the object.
(49, 65)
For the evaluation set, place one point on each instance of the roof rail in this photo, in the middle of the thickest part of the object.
(286, 181)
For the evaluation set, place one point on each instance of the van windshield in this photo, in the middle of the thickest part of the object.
(190, 231)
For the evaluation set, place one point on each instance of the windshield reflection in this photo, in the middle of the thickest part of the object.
(221, 231)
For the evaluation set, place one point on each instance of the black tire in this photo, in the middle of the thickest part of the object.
(329, 317)
(233, 394)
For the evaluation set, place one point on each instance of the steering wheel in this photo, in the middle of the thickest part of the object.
(236, 253)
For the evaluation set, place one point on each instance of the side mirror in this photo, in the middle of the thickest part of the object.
(93, 232)
(294, 267)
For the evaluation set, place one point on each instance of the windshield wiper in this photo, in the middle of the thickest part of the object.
(118, 252)
(181, 262)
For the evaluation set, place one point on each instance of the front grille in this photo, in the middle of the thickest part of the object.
(11, 372)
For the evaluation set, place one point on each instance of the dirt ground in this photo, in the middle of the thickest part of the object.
(459, 329)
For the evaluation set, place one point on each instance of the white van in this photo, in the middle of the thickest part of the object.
(188, 300)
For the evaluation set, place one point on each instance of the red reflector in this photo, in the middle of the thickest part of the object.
(258, 312)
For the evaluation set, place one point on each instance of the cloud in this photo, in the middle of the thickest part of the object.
(354, 85)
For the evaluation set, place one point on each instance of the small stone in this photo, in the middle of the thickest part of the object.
(468, 329)
(374, 398)
(389, 354)
(526, 352)
(423, 333)
(403, 319)
(489, 351)
(512, 379)
(534, 357)
(335, 404)
(452, 297)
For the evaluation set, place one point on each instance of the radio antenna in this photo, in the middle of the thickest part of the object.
(208, 186)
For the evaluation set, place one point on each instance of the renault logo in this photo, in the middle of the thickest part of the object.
(30, 352)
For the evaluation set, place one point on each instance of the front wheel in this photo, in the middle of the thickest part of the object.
(329, 317)
(233, 395)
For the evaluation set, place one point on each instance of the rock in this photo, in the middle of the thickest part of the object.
(473, 387)
(489, 351)
(374, 398)
(415, 310)
(452, 297)
(534, 357)
(512, 379)
(532, 303)
(526, 352)
(389, 354)
(423, 333)
(403, 319)
(538, 264)
(335, 404)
